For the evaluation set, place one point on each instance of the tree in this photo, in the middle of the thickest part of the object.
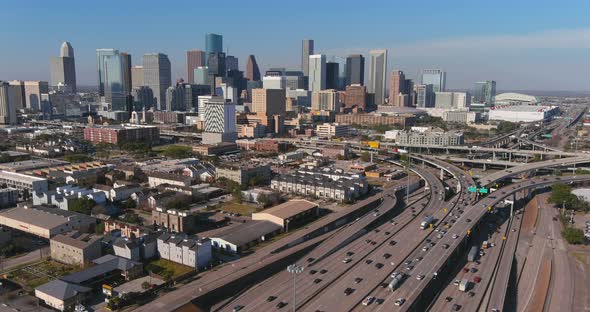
(256, 180)
(365, 156)
(82, 205)
(573, 235)
(103, 150)
(180, 202)
(77, 158)
(145, 285)
(130, 218)
(177, 151)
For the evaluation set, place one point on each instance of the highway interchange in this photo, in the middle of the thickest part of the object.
(349, 268)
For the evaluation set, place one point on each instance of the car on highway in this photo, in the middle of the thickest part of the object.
(281, 304)
(387, 233)
(409, 268)
(323, 271)
(419, 258)
(348, 291)
(358, 280)
(420, 277)
(346, 260)
(477, 279)
(379, 265)
(377, 230)
(399, 301)
(317, 280)
(350, 253)
(386, 255)
(238, 308)
(456, 307)
(425, 248)
(367, 301)
(392, 242)
(470, 294)
(456, 282)
(271, 298)
(369, 261)
(448, 299)
(312, 272)
(465, 270)
(473, 270)
(310, 259)
(468, 220)
(408, 262)
(455, 236)
(445, 246)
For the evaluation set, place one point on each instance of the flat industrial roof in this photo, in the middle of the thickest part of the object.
(32, 164)
(43, 217)
(247, 232)
(290, 208)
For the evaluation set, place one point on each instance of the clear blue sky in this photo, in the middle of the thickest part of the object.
(522, 44)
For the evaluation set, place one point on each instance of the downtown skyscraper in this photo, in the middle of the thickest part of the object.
(378, 75)
(213, 44)
(63, 68)
(194, 59)
(317, 72)
(355, 69)
(306, 52)
(436, 77)
(485, 92)
(111, 77)
(157, 76)
(397, 86)
(252, 70)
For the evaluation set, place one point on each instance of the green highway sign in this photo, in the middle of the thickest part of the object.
(472, 189)
(547, 136)
(483, 190)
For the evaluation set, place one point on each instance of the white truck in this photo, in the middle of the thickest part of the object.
(464, 285)
(396, 279)
(426, 222)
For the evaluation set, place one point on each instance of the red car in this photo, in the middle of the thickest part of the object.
(477, 279)
(465, 270)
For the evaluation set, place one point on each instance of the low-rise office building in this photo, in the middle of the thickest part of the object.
(156, 178)
(243, 174)
(330, 130)
(75, 248)
(122, 133)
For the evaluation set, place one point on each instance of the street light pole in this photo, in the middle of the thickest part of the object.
(294, 269)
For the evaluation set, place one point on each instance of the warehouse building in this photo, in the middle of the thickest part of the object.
(44, 221)
(290, 214)
(25, 184)
(240, 238)
(522, 113)
(75, 248)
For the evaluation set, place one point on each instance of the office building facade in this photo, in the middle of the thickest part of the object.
(355, 69)
(252, 70)
(7, 104)
(136, 77)
(317, 72)
(220, 121)
(356, 96)
(332, 75)
(269, 101)
(194, 59)
(436, 77)
(63, 68)
(377, 75)
(424, 95)
(485, 92)
(397, 86)
(213, 44)
(157, 75)
(306, 52)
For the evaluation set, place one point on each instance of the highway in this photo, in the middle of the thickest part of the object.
(329, 256)
(432, 262)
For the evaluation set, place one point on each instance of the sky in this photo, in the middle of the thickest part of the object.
(522, 44)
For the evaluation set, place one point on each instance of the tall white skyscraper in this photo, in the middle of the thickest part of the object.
(378, 75)
(317, 72)
(220, 121)
(436, 77)
(157, 75)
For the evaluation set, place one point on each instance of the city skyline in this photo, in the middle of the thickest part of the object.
(523, 47)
